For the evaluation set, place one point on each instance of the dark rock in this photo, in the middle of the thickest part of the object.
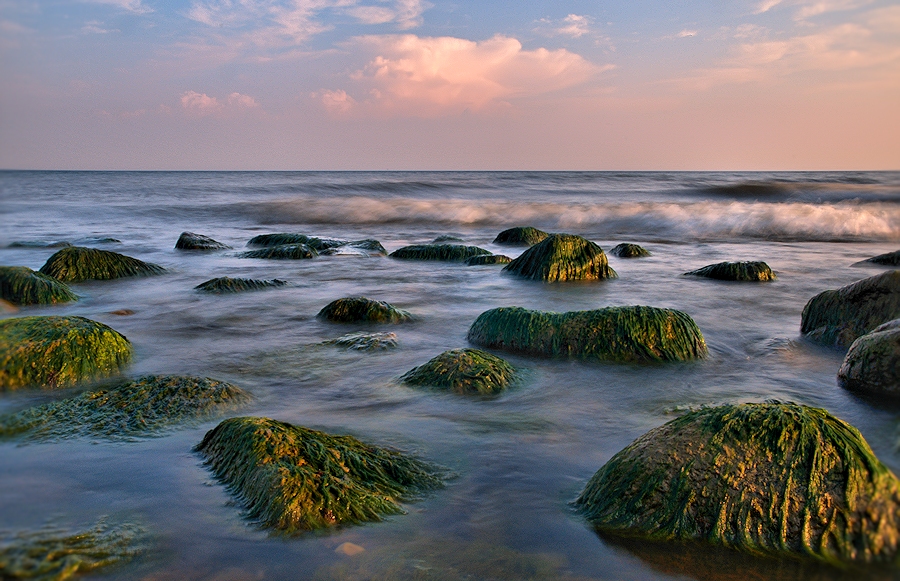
(488, 259)
(362, 310)
(736, 271)
(889, 259)
(444, 238)
(446, 252)
(872, 364)
(282, 252)
(626, 250)
(521, 236)
(463, 371)
(366, 247)
(562, 257)
(78, 264)
(37, 244)
(317, 244)
(366, 341)
(225, 284)
(22, 286)
(191, 241)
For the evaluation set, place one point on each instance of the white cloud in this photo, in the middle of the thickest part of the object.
(239, 100)
(810, 8)
(134, 6)
(575, 26)
(199, 103)
(95, 27)
(687, 33)
(336, 101)
(766, 5)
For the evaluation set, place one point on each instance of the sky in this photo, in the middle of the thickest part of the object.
(450, 85)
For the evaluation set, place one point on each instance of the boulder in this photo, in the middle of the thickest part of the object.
(225, 284)
(888, 259)
(445, 252)
(626, 250)
(366, 247)
(39, 244)
(872, 364)
(317, 244)
(746, 271)
(562, 257)
(282, 252)
(366, 341)
(78, 264)
(521, 236)
(444, 238)
(488, 259)
(463, 371)
(191, 241)
(22, 286)
(362, 310)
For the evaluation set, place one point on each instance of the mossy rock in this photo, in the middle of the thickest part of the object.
(365, 341)
(78, 264)
(444, 238)
(521, 236)
(143, 407)
(636, 333)
(282, 252)
(839, 317)
(483, 259)
(294, 479)
(463, 371)
(626, 250)
(317, 244)
(747, 271)
(225, 284)
(888, 259)
(362, 310)
(22, 286)
(58, 351)
(38, 244)
(191, 241)
(872, 364)
(562, 257)
(773, 478)
(367, 247)
(445, 252)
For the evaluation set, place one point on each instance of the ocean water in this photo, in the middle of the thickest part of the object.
(519, 458)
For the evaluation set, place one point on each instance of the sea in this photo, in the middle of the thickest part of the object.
(517, 460)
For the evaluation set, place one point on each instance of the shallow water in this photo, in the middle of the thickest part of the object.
(520, 458)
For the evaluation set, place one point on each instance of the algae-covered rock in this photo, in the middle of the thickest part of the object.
(282, 252)
(366, 341)
(367, 247)
(39, 244)
(488, 259)
(225, 284)
(635, 333)
(521, 236)
(747, 271)
(78, 264)
(888, 259)
(463, 371)
(295, 479)
(444, 238)
(445, 252)
(22, 286)
(362, 310)
(58, 351)
(191, 241)
(317, 244)
(872, 364)
(562, 257)
(765, 478)
(839, 317)
(626, 250)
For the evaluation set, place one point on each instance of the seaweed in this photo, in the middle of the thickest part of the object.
(463, 371)
(294, 479)
(58, 351)
(839, 317)
(366, 341)
(746, 271)
(626, 250)
(872, 364)
(143, 407)
(362, 310)
(488, 259)
(445, 252)
(773, 478)
(78, 264)
(628, 334)
(562, 257)
(225, 284)
(282, 252)
(191, 241)
(22, 286)
(888, 259)
(521, 236)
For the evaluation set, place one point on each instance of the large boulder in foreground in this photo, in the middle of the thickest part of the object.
(294, 479)
(22, 286)
(226, 284)
(562, 257)
(78, 264)
(628, 250)
(58, 351)
(839, 317)
(445, 252)
(872, 364)
(636, 333)
(362, 310)
(521, 236)
(463, 371)
(773, 478)
(746, 271)
(191, 241)
(282, 252)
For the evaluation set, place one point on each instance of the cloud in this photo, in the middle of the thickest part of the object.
(244, 101)
(134, 6)
(766, 5)
(810, 8)
(687, 33)
(95, 27)
(575, 26)
(338, 102)
(199, 103)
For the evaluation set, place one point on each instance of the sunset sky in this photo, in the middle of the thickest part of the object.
(415, 84)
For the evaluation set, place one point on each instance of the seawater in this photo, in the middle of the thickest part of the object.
(518, 459)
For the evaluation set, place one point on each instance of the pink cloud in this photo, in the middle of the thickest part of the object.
(199, 103)
(239, 100)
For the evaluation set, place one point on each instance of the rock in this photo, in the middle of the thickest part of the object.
(638, 333)
(463, 371)
(137, 408)
(488, 259)
(22, 286)
(317, 244)
(839, 317)
(521, 236)
(349, 549)
(445, 252)
(58, 351)
(773, 478)
(295, 479)
(366, 341)
(191, 241)
(225, 284)
(366, 247)
(626, 250)
(38, 244)
(736, 271)
(78, 264)
(872, 365)
(282, 252)
(443, 238)
(889, 259)
(562, 257)
(362, 310)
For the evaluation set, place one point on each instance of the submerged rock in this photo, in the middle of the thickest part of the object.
(191, 241)
(872, 365)
(521, 236)
(58, 351)
(488, 259)
(317, 244)
(626, 250)
(839, 317)
(463, 371)
(282, 252)
(366, 341)
(22, 286)
(637, 333)
(445, 252)
(225, 284)
(366, 247)
(38, 244)
(562, 257)
(78, 264)
(773, 478)
(888, 259)
(443, 238)
(295, 479)
(362, 310)
(737, 271)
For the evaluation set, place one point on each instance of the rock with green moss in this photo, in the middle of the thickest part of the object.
(317, 244)
(282, 252)
(888, 259)
(22, 286)
(445, 252)
(636, 333)
(367, 247)
(365, 341)
(362, 310)
(191, 241)
(626, 250)
(225, 284)
(872, 364)
(463, 371)
(294, 479)
(747, 271)
(562, 257)
(39, 244)
(839, 317)
(78, 264)
(483, 259)
(521, 236)
(773, 478)
(58, 351)
(444, 238)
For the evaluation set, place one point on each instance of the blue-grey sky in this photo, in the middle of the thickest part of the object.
(415, 84)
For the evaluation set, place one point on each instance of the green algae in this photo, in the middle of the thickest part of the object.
(22, 286)
(747, 271)
(839, 317)
(628, 334)
(444, 252)
(521, 236)
(58, 351)
(294, 479)
(872, 364)
(143, 407)
(225, 284)
(773, 478)
(78, 264)
(626, 250)
(888, 259)
(282, 252)
(488, 259)
(366, 341)
(191, 241)
(463, 371)
(562, 257)
(362, 310)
